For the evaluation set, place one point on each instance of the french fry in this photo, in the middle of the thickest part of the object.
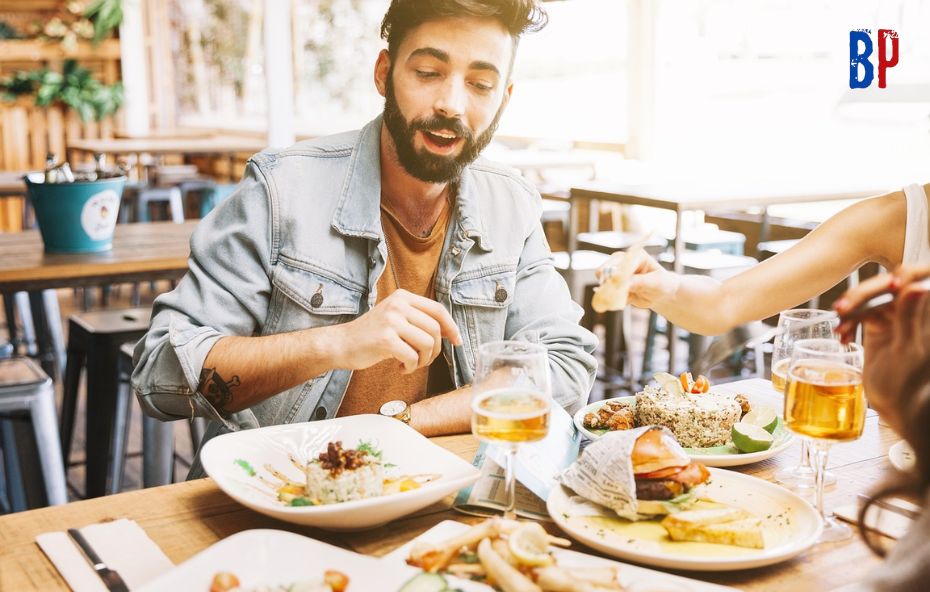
(504, 575)
(435, 557)
(589, 579)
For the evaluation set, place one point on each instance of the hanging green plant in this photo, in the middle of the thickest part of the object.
(74, 86)
(106, 16)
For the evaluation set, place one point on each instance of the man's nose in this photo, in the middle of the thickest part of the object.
(451, 99)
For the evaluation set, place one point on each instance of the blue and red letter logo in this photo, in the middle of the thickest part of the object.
(860, 49)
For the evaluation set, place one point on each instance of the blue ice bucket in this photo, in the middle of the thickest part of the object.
(76, 217)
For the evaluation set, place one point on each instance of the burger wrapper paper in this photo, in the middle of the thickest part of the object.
(603, 474)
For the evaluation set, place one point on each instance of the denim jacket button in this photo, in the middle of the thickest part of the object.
(319, 414)
(500, 295)
(456, 251)
(316, 301)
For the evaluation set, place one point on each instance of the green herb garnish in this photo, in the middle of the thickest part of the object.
(301, 501)
(364, 446)
(245, 466)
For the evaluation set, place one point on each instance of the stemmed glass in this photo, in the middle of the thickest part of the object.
(795, 324)
(511, 401)
(825, 403)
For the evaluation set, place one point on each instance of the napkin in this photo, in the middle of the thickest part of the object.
(121, 544)
(888, 523)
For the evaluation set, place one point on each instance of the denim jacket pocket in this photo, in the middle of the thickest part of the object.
(304, 298)
(482, 298)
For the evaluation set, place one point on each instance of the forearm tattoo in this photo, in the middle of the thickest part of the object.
(216, 389)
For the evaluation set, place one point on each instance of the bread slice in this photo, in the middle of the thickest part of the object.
(723, 526)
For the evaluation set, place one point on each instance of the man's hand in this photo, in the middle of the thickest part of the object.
(403, 326)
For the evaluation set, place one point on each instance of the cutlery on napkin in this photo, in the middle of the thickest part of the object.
(121, 544)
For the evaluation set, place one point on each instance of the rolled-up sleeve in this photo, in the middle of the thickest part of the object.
(226, 291)
(544, 312)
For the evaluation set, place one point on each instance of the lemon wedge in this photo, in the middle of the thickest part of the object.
(529, 543)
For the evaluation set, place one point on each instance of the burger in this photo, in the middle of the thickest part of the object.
(667, 480)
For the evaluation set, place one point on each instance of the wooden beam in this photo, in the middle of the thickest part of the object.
(31, 50)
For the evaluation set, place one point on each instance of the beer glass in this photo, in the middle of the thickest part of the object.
(511, 401)
(795, 324)
(825, 403)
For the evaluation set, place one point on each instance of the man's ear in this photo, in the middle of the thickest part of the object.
(382, 71)
(508, 90)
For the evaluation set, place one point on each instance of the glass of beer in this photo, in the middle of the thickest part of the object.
(795, 324)
(511, 401)
(825, 403)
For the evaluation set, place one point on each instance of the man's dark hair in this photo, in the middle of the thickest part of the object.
(517, 17)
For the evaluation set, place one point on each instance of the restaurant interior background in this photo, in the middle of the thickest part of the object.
(709, 96)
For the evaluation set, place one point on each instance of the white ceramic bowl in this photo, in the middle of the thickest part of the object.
(412, 453)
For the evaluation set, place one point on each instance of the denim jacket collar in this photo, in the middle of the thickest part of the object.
(359, 210)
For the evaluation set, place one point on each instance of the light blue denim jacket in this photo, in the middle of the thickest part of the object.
(306, 220)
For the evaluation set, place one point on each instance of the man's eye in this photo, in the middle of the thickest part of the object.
(426, 74)
(483, 87)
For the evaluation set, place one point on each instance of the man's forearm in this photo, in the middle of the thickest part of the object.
(242, 371)
(443, 414)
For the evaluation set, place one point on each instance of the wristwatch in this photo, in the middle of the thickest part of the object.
(396, 409)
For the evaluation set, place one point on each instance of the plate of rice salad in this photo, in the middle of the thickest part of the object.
(701, 418)
(348, 473)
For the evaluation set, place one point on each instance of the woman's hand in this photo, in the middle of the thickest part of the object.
(650, 284)
(896, 337)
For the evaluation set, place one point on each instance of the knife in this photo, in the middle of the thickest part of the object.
(110, 578)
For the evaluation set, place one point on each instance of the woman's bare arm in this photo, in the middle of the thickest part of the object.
(871, 230)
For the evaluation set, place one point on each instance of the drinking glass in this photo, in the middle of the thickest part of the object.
(511, 401)
(825, 403)
(795, 324)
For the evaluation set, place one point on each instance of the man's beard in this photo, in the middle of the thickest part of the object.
(422, 164)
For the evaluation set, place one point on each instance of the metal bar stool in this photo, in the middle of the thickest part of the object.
(26, 389)
(94, 340)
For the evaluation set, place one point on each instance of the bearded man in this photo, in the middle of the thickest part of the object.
(358, 273)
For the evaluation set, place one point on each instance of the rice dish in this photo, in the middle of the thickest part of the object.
(697, 420)
(341, 475)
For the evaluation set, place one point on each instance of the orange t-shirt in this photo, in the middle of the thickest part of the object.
(412, 262)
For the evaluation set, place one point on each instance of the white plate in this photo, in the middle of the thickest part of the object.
(401, 445)
(715, 456)
(273, 557)
(902, 456)
(632, 577)
(789, 523)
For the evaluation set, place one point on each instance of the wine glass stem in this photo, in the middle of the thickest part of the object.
(819, 452)
(805, 455)
(510, 486)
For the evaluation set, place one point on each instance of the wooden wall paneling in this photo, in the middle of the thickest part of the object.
(56, 131)
(38, 136)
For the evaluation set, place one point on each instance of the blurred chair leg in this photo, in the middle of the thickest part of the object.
(198, 426)
(53, 318)
(157, 452)
(14, 476)
(120, 435)
(45, 426)
(69, 400)
(21, 300)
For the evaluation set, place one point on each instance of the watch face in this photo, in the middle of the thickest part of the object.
(392, 408)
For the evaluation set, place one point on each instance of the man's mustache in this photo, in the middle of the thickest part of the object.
(438, 123)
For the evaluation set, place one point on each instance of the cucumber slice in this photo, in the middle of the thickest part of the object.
(426, 582)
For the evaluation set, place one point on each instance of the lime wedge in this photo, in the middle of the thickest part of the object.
(751, 438)
(763, 417)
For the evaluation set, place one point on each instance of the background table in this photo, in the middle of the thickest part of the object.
(227, 146)
(185, 518)
(680, 198)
